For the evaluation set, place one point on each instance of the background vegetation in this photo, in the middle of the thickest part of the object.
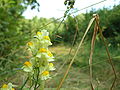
(16, 31)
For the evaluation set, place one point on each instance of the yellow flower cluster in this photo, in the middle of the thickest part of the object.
(30, 43)
(28, 64)
(41, 50)
(7, 87)
(39, 33)
(42, 57)
(46, 37)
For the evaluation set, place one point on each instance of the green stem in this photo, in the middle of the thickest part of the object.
(24, 83)
(32, 84)
(38, 71)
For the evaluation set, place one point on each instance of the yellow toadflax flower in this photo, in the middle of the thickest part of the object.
(46, 37)
(42, 53)
(50, 56)
(45, 75)
(30, 44)
(49, 53)
(28, 64)
(39, 33)
(5, 86)
(51, 66)
(42, 50)
(13, 89)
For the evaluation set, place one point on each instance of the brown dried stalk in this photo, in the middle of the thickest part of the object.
(91, 52)
(108, 53)
(66, 73)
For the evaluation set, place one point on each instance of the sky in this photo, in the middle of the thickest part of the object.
(56, 8)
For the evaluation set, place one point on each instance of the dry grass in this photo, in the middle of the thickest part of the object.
(60, 49)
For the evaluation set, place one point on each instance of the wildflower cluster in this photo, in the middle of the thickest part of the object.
(40, 64)
(8, 86)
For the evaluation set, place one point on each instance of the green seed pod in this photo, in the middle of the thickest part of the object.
(71, 6)
(65, 3)
(69, 3)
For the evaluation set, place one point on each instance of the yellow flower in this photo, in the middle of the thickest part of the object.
(45, 73)
(5, 86)
(46, 37)
(13, 89)
(43, 50)
(29, 43)
(28, 64)
(51, 65)
(49, 54)
(39, 33)
(27, 67)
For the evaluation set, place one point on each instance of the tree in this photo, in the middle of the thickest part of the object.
(11, 34)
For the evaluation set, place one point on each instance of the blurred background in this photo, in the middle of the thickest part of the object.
(21, 19)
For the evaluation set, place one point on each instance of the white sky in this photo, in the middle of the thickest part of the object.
(56, 8)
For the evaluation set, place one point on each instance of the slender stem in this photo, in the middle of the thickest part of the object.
(32, 84)
(38, 86)
(66, 73)
(24, 83)
(37, 70)
(91, 53)
(109, 57)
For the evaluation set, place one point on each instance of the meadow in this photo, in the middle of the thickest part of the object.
(86, 49)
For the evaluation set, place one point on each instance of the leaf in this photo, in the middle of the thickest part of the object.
(33, 7)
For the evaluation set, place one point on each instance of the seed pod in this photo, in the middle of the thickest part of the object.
(71, 6)
(73, 2)
(65, 3)
(69, 3)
